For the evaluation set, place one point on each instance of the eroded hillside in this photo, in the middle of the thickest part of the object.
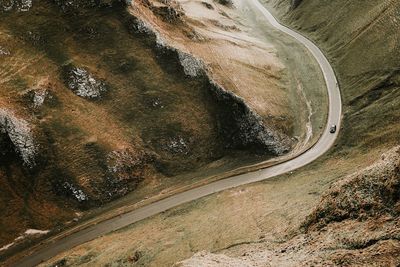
(342, 210)
(94, 106)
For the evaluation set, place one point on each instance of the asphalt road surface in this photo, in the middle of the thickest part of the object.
(324, 143)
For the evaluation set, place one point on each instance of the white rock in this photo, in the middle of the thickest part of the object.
(39, 97)
(84, 84)
(20, 135)
(4, 51)
(6, 246)
(36, 232)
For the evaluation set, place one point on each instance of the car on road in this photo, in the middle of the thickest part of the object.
(332, 129)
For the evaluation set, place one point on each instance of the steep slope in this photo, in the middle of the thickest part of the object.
(94, 106)
(362, 42)
(340, 211)
(86, 92)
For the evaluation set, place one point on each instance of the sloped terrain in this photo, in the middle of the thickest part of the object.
(342, 210)
(362, 42)
(93, 107)
(356, 223)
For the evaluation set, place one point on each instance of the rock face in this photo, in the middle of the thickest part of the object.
(177, 145)
(192, 66)
(242, 126)
(82, 83)
(19, 133)
(139, 26)
(245, 128)
(70, 190)
(15, 5)
(371, 192)
(169, 13)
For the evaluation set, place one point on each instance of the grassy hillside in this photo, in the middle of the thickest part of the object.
(361, 40)
(363, 44)
(90, 111)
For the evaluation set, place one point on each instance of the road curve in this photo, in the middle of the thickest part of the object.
(324, 143)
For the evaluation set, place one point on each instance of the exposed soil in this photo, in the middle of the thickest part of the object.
(342, 210)
(95, 106)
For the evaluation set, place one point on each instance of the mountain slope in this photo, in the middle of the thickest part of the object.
(332, 212)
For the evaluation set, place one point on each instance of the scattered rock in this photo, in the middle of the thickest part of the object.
(82, 83)
(20, 134)
(70, 190)
(60, 263)
(76, 6)
(136, 256)
(373, 191)
(125, 171)
(34, 38)
(169, 13)
(176, 145)
(4, 51)
(39, 96)
(90, 32)
(156, 103)
(137, 25)
(16, 5)
(218, 24)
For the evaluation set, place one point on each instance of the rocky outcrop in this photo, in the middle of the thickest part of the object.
(191, 65)
(82, 83)
(69, 6)
(136, 25)
(176, 145)
(169, 14)
(39, 96)
(228, 3)
(244, 127)
(241, 125)
(19, 133)
(372, 192)
(15, 5)
(125, 171)
(70, 190)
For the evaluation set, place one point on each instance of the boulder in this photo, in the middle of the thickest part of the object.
(15, 5)
(82, 83)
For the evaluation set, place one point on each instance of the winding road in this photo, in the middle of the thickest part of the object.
(49, 250)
